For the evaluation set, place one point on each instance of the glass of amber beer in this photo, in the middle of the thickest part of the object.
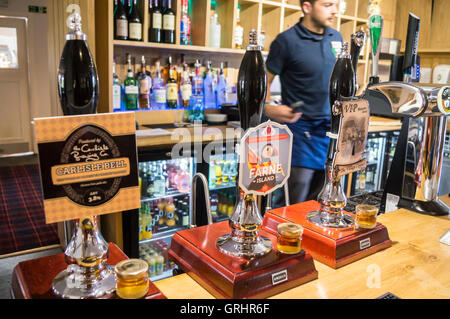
(289, 238)
(366, 216)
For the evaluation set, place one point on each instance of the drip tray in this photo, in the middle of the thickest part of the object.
(372, 198)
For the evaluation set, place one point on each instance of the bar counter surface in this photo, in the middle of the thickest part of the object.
(416, 266)
(207, 134)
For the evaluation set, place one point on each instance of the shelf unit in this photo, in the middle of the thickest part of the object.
(272, 17)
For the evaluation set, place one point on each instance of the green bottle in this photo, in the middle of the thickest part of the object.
(131, 89)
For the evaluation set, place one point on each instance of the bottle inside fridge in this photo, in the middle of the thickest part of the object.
(370, 179)
(222, 185)
(165, 209)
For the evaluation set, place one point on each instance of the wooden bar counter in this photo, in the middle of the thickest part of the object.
(416, 266)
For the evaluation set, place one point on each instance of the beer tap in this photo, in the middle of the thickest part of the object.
(413, 180)
(246, 220)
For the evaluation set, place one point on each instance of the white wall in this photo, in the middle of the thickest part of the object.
(37, 54)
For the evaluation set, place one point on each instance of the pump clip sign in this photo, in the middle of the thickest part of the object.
(265, 158)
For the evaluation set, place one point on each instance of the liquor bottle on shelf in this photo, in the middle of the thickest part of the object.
(215, 31)
(222, 88)
(154, 32)
(145, 84)
(186, 92)
(134, 23)
(238, 31)
(168, 24)
(116, 91)
(120, 21)
(197, 83)
(77, 75)
(159, 90)
(172, 87)
(209, 88)
(131, 88)
(185, 23)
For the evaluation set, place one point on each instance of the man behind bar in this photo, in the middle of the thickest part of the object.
(304, 56)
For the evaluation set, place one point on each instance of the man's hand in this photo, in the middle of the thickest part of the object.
(281, 113)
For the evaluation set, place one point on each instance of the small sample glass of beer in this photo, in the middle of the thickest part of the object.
(366, 216)
(289, 238)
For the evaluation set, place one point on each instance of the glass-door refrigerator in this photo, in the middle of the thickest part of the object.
(165, 185)
(369, 180)
(220, 167)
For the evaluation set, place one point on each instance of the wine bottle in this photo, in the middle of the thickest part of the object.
(145, 83)
(77, 75)
(154, 32)
(169, 24)
(131, 89)
(342, 84)
(134, 23)
(120, 22)
(172, 87)
(252, 84)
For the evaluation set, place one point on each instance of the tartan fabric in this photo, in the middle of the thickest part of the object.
(22, 218)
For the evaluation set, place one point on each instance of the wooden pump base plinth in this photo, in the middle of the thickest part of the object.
(195, 252)
(32, 279)
(335, 247)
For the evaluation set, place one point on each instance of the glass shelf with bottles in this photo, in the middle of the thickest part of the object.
(180, 85)
(156, 255)
(163, 217)
(222, 171)
(222, 203)
(165, 178)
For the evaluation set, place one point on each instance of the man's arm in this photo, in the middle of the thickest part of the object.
(280, 113)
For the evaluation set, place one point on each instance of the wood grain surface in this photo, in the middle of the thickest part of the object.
(416, 266)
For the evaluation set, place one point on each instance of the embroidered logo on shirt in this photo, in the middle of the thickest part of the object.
(336, 47)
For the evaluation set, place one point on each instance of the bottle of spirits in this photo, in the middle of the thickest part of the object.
(222, 88)
(169, 24)
(131, 88)
(120, 22)
(117, 91)
(197, 87)
(186, 92)
(77, 74)
(159, 90)
(238, 31)
(134, 23)
(215, 31)
(209, 88)
(185, 26)
(172, 87)
(154, 32)
(145, 84)
(251, 85)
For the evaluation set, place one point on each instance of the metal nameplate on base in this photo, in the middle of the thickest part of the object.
(195, 252)
(334, 247)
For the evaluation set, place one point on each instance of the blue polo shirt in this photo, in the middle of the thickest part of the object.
(304, 61)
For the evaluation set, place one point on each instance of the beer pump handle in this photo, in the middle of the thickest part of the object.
(375, 31)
